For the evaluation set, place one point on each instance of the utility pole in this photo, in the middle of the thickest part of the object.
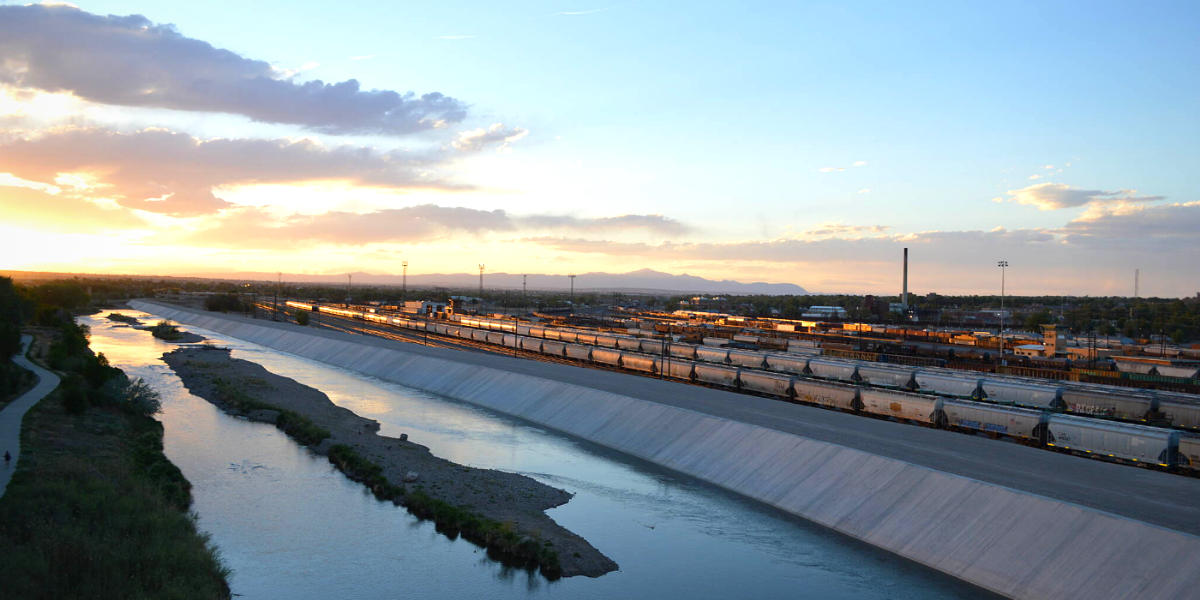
(404, 294)
(481, 267)
(524, 294)
(348, 280)
(1003, 268)
(278, 285)
(572, 276)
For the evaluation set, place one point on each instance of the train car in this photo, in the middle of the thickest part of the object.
(645, 363)
(606, 356)
(687, 351)
(453, 330)
(586, 338)
(568, 336)
(901, 405)
(606, 341)
(628, 343)
(579, 352)
(891, 377)
(1028, 395)
(955, 386)
(531, 344)
(552, 334)
(649, 346)
(553, 348)
(479, 335)
(1124, 404)
(712, 355)
(836, 395)
(537, 332)
(765, 382)
(717, 374)
(1189, 452)
(495, 338)
(1181, 413)
(832, 369)
(678, 368)
(522, 329)
(787, 363)
(510, 340)
(1137, 443)
(752, 360)
(1004, 420)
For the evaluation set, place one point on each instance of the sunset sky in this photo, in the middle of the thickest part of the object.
(792, 142)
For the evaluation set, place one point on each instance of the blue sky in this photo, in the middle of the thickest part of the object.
(723, 115)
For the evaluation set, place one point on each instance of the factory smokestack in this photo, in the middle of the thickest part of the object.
(904, 298)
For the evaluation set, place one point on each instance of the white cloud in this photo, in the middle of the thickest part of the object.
(860, 163)
(477, 139)
(1054, 196)
(831, 169)
(865, 191)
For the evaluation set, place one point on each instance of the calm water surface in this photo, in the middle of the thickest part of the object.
(290, 526)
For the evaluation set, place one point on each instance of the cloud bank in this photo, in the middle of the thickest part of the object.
(131, 61)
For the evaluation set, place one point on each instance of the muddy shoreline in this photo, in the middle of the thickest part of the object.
(516, 501)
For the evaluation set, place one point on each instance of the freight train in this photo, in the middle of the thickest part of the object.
(1033, 412)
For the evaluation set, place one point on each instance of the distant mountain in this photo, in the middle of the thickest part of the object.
(643, 281)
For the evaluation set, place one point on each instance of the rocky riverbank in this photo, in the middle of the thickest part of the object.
(503, 511)
(172, 332)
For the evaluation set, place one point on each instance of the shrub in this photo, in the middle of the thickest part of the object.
(141, 399)
(302, 317)
(75, 398)
(223, 303)
(164, 330)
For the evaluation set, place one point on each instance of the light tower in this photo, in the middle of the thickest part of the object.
(1003, 267)
(524, 293)
(349, 279)
(404, 281)
(481, 267)
(572, 276)
(277, 288)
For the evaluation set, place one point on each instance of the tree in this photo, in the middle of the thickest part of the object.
(302, 317)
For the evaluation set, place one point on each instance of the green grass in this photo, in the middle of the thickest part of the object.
(122, 318)
(292, 423)
(97, 511)
(499, 538)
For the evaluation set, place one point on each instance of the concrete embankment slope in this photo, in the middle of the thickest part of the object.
(1018, 544)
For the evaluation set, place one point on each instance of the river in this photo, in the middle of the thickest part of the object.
(290, 526)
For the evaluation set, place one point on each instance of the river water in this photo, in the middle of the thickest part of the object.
(290, 526)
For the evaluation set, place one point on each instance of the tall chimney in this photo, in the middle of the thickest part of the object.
(904, 298)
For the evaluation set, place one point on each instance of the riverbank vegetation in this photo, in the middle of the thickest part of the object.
(164, 330)
(95, 508)
(123, 319)
(14, 380)
(292, 423)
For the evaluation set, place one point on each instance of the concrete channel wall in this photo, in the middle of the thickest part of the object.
(1014, 543)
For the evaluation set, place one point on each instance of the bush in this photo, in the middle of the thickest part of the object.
(164, 330)
(75, 398)
(141, 399)
(223, 303)
(302, 317)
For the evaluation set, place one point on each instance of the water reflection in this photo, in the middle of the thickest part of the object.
(293, 527)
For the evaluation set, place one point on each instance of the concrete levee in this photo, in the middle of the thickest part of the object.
(1015, 543)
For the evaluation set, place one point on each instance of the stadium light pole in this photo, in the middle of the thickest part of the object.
(481, 267)
(1003, 268)
(349, 278)
(278, 285)
(572, 276)
(404, 293)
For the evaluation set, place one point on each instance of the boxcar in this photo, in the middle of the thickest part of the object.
(1181, 413)
(1029, 395)
(639, 362)
(901, 405)
(579, 352)
(1137, 443)
(1007, 420)
(606, 356)
(825, 393)
(947, 385)
(717, 374)
(893, 377)
(678, 368)
(787, 364)
(1117, 404)
(753, 360)
(776, 384)
(712, 355)
(1189, 452)
(606, 341)
(832, 369)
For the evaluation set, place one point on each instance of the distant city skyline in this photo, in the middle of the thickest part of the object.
(784, 143)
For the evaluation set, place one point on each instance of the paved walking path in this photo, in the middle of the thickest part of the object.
(10, 417)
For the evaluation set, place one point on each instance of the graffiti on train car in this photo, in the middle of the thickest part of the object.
(981, 426)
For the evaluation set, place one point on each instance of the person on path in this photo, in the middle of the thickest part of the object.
(7, 458)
